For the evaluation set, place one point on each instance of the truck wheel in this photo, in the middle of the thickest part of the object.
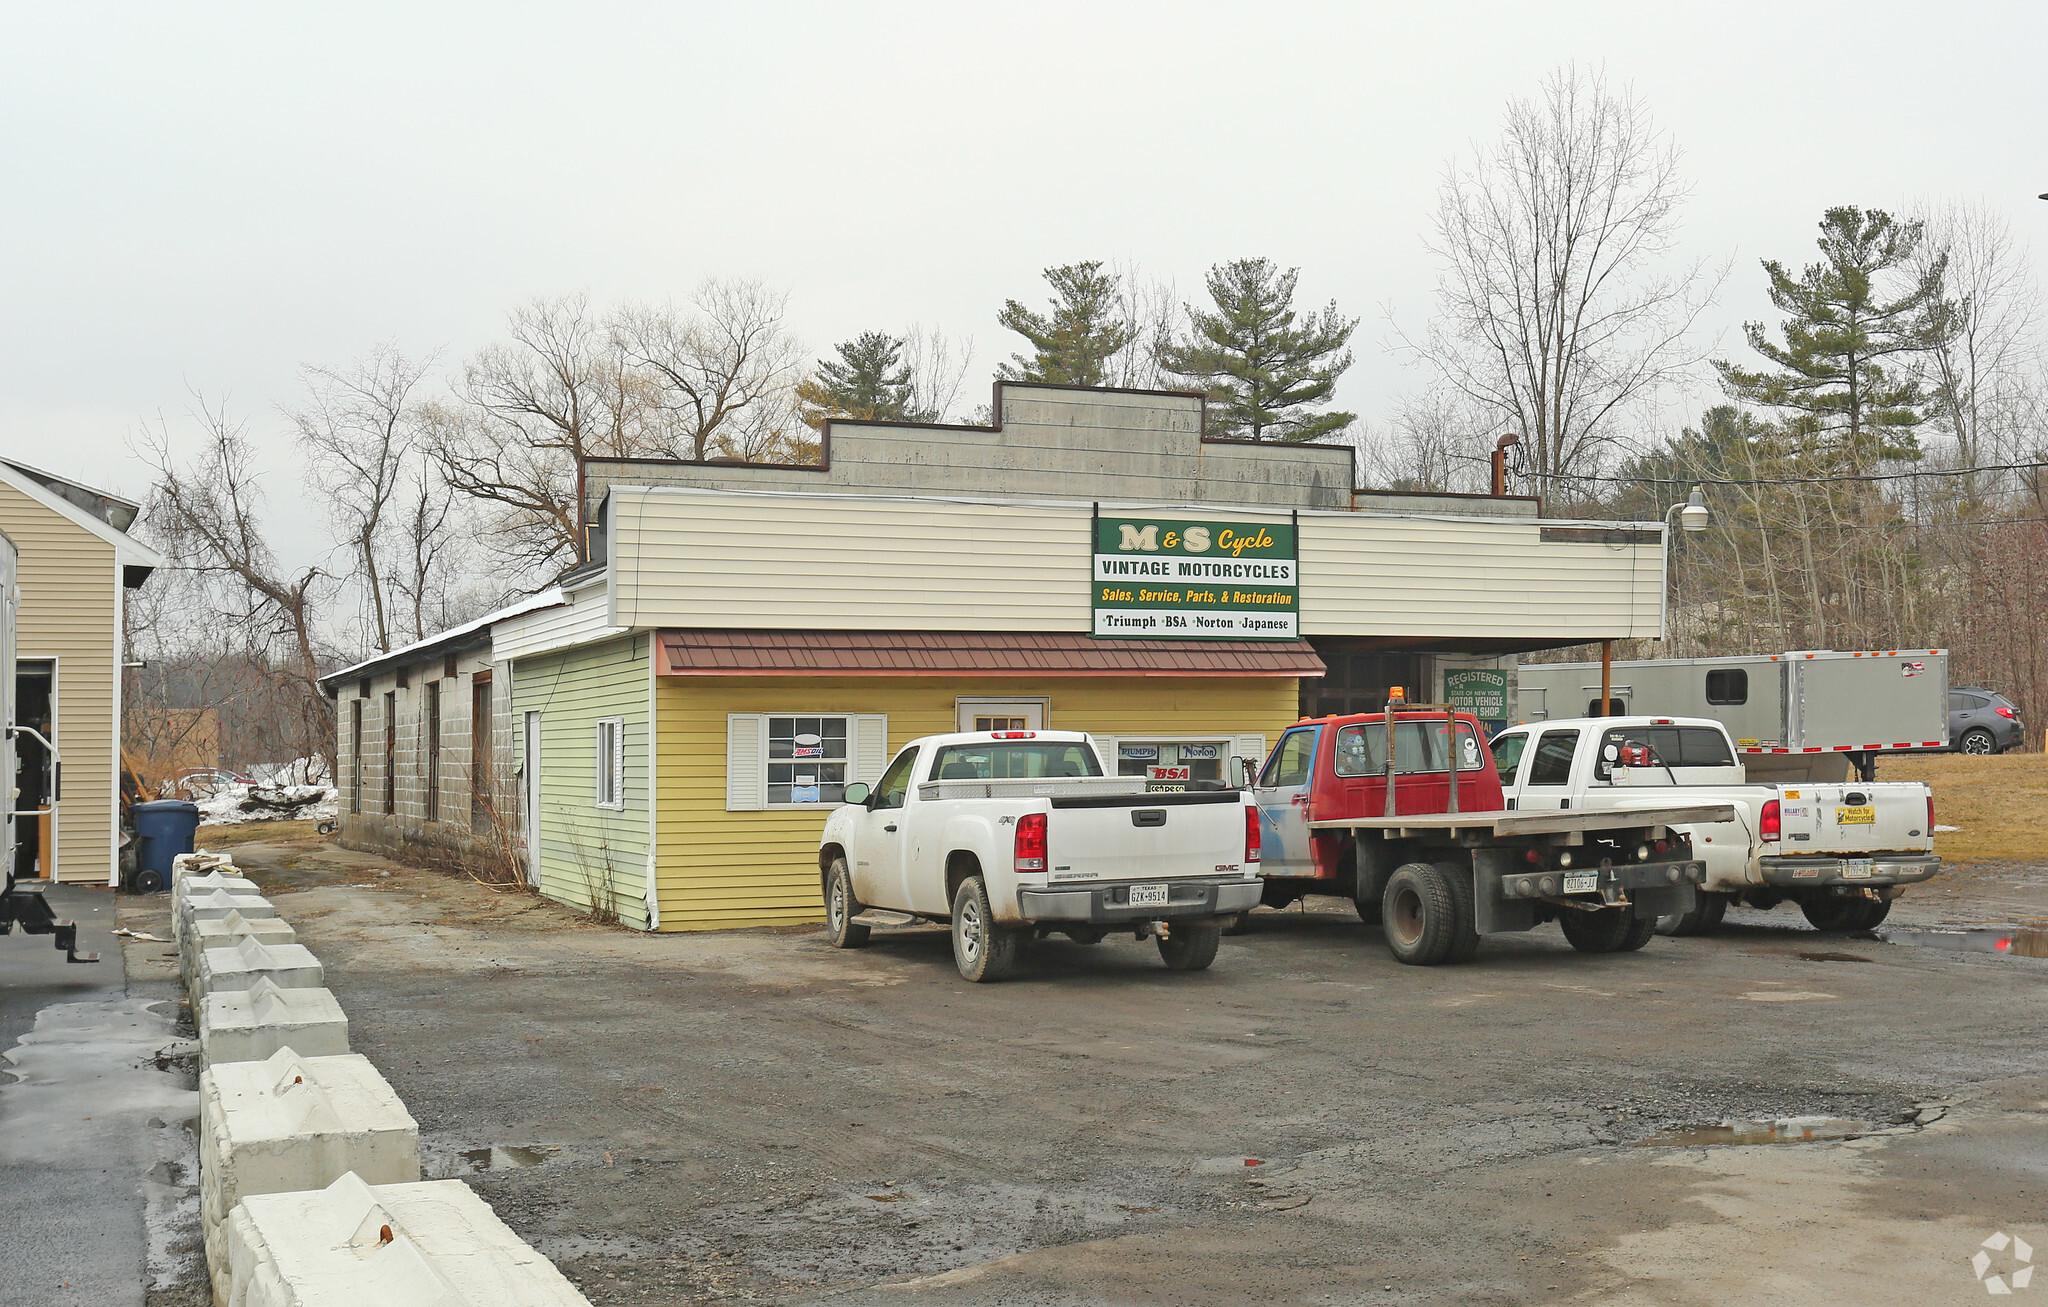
(1606, 930)
(1418, 912)
(1465, 936)
(841, 908)
(1708, 907)
(982, 949)
(1368, 912)
(1830, 913)
(1190, 945)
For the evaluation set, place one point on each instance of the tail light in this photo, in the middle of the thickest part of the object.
(2006, 712)
(1013, 735)
(1770, 827)
(1930, 812)
(1031, 842)
(1251, 835)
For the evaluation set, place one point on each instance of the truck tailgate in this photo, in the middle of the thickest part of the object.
(1855, 818)
(1146, 836)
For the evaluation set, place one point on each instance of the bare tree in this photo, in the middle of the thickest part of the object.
(526, 412)
(722, 368)
(360, 433)
(1437, 441)
(1556, 310)
(1152, 307)
(208, 514)
(938, 365)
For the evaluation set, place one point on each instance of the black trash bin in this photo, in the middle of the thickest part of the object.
(164, 828)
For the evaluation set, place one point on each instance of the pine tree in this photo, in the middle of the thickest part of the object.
(1847, 404)
(1074, 343)
(867, 381)
(1268, 371)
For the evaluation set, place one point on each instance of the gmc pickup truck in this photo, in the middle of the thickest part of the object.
(1423, 843)
(1010, 835)
(1841, 850)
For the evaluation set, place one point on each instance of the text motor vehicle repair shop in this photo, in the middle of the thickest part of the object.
(748, 640)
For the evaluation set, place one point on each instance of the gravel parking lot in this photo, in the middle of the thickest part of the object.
(754, 1116)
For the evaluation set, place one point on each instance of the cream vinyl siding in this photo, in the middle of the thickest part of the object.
(708, 558)
(70, 605)
(583, 618)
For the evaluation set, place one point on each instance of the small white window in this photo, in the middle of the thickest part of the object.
(800, 760)
(611, 762)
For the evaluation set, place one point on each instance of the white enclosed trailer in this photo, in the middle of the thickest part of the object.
(1785, 711)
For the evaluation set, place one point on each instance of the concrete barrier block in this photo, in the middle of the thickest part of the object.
(226, 932)
(354, 1243)
(214, 904)
(252, 1024)
(289, 1123)
(192, 887)
(248, 960)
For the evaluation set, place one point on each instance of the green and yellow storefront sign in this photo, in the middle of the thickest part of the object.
(1217, 579)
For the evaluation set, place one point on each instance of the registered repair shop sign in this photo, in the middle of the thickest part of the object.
(1170, 579)
(1480, 691)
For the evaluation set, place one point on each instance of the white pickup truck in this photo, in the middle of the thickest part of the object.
(1841, 850)
(1013, 834)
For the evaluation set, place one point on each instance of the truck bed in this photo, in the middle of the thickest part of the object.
(1532, 823)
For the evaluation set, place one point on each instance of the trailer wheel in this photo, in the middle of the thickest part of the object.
(982, 949)
(1708, 907)
(1832, 913)
(1419, 912)
(1190, 945)
(841, 908)
(1606, 930)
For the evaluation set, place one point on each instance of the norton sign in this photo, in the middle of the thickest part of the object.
(1167, 580)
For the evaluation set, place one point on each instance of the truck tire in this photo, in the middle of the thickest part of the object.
(1190, 945)
(1419, 915)
(841, 908)
(1831, 913)
(1368, 912)
(983, 950)
(1465, 936)
(1606, 930)
(1708, 907)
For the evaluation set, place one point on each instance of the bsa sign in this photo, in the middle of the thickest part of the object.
(1162, 579)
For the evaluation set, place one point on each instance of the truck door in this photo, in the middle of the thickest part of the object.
(878, 870)
(1283, 794)
(1547, 772)
(1508, 751)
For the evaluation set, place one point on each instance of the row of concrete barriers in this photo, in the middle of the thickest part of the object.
(309, 1165)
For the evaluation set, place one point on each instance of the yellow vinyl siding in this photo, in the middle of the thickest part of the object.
(718, 869)
(590, 854)
(70, 601)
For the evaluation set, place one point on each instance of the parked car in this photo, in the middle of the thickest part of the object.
(205, 782)
(1841, 850)
(1010, 835)
(1983, 721)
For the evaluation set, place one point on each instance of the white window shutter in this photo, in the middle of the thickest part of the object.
(745, 777)
(1249, 747)
(870, 747)
(619, 765)
(1105, 748)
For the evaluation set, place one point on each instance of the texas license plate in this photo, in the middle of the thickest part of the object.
(1856, 868)
(1582, 882)
(1855, 816)
(1148, 896)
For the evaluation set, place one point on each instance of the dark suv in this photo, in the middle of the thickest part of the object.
(1983, 721)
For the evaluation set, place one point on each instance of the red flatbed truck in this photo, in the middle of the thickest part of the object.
(1422, 842)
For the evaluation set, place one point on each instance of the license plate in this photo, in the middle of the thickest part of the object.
(1148, 896)
(1582, 882)
(1856, 869)
(1855, 816)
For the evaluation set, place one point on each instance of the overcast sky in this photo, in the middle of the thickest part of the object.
(206, 196)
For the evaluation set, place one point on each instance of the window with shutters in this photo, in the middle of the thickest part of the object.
(611, 763)
(800, 760)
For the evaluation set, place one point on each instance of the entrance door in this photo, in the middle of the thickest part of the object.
(35, 684)
(529, 794)
(1282, 795)
(1001, 714)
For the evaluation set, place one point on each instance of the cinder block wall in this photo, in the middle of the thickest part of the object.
(466, 827)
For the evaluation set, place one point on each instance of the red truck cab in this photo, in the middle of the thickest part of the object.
(1334, 768)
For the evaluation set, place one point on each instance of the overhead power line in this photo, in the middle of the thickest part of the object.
(1790, 481)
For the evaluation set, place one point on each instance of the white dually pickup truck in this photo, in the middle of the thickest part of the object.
(1007, 835)
(1841, 850)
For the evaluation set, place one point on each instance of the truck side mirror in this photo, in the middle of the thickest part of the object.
(857, 793)
(1250, 769)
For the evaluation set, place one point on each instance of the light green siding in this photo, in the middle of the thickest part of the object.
(590, 855)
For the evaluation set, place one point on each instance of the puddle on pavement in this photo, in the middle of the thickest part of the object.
(453, 1164)
(1783, 1130)
(2010, 941)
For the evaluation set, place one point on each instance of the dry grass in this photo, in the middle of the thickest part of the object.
(2000, 804)
(215, 838)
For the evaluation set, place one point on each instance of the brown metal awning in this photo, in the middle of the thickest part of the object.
(972, 653)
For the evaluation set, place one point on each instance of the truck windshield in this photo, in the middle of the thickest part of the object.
(1670, 746)
(997, 762)
(1418, 747)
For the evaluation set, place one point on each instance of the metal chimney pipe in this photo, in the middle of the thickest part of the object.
(1500, 464)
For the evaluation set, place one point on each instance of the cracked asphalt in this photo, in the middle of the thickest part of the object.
(753, 1116)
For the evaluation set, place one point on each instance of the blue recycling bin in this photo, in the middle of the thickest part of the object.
(165, 828)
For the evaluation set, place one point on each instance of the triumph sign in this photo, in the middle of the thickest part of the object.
(1158, 579)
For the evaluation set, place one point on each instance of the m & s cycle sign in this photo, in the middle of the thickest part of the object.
(1168, 579)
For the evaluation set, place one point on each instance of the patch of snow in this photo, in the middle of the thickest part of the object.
(233, 805)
